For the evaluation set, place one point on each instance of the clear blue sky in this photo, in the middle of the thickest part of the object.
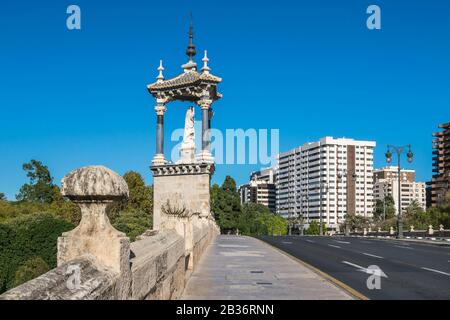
(309, 68)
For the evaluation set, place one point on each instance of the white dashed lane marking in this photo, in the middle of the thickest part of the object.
(403, 247)
(372, 255)
(332, 245)
(437, 271)
(344, 242)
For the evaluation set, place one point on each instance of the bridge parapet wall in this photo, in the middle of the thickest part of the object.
(97, 262)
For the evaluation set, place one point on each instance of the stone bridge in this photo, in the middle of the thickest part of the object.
(184, 258)
(95, 261)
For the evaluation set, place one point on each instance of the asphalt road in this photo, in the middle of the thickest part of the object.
(413, 271)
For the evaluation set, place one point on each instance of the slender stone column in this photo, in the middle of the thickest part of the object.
(205, 129)
(159, 134)
(210, 116)
(205, 155)
(158, 159)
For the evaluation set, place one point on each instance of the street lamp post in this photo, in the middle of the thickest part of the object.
(399, 150)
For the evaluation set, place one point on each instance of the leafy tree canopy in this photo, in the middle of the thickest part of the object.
(135, 215)
(40, 188)
(226, 204)
(133, 222)
(384, 210)
(24, 238)
(314, 228)
(31, 269)
(141, 196)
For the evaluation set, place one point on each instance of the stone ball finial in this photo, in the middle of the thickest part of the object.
(94, 183)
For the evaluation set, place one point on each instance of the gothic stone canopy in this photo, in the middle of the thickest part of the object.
(199, 87)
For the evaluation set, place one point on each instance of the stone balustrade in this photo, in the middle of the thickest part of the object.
(412, 232)
(96, 261)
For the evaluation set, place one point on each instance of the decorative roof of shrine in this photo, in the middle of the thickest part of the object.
(186, 79)
(189, 85)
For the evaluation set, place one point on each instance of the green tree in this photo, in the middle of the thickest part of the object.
(64, 208)
(215, 198)
(226, 204)
(40, 188)
(415, 216)
(141, 196)
(133, 222)
(251, 221)
(2, 196)
(26, 237)
(353, 221)
(135, 215)
(278, 225)
(246, 220)
(436, 216)
(314, 228)
(31, 269)
(384, 210)
(60, 207)
(256, 219)
(414, 208)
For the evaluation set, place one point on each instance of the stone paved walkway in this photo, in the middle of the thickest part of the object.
(244, 268)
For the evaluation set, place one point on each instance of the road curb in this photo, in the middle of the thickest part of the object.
(354, 293)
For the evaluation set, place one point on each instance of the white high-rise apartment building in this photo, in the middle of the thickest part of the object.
(386, 183)
(333, 177)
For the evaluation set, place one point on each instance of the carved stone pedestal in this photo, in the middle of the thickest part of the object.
(95, 189)
(181, 199)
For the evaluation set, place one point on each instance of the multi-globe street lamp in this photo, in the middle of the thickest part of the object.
(399, 150)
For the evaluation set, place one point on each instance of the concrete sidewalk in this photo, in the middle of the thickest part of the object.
(244, 268)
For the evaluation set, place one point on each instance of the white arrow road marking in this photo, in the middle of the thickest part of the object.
(285, 242)
(354, 265)
(332, 245)
(366, 270)
(345, 242)
(372, 255)
(437, 271)
(310, 241)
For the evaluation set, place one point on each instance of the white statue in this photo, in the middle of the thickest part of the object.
(187, 151)
(189, 131)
